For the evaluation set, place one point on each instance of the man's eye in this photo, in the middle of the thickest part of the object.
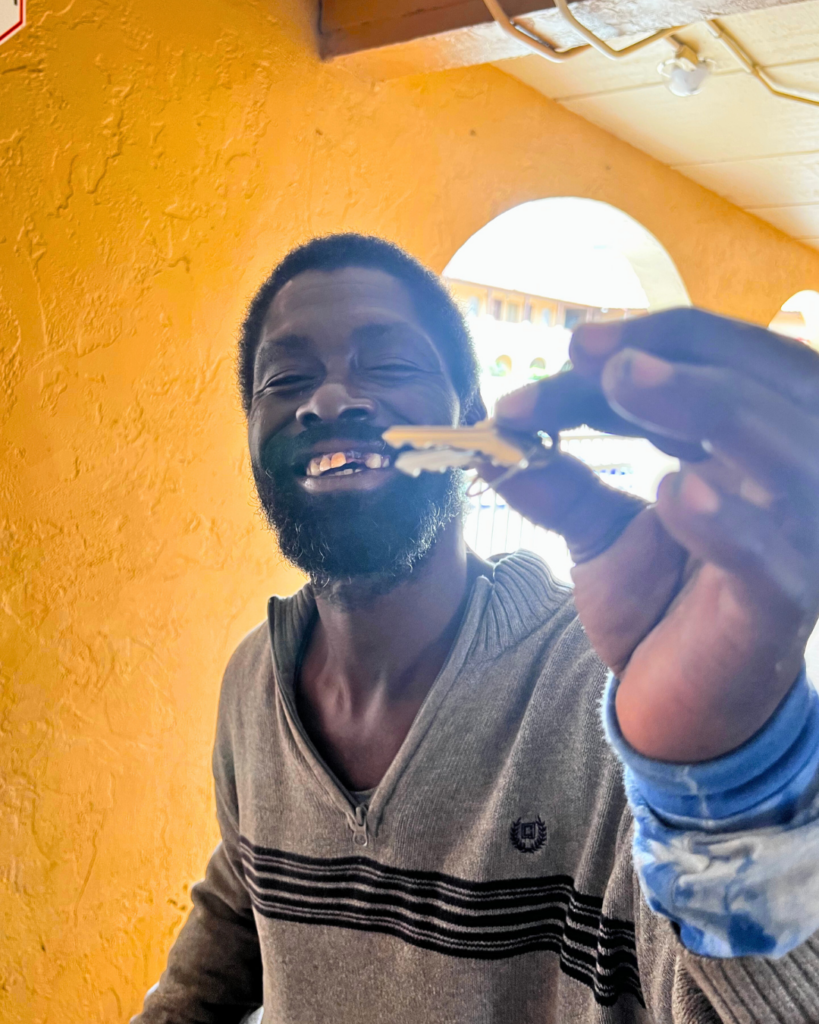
(393, 368)
(288, 382)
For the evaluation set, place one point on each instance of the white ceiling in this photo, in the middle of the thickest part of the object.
(759, 151)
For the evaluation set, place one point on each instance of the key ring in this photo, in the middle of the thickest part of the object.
(525, 463)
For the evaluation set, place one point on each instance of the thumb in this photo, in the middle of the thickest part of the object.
(566, 496)
(568, 400)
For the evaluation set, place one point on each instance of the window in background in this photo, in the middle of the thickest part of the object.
(537, 368)
(496, 308)
(546, 317)
(573, 317)
(512, 312)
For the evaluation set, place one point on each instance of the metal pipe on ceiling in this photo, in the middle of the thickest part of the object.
(534, 41)
(602, 47)
(719, 31)
(529, 37)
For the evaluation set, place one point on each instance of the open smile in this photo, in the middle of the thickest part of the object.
(345, 463)
(353, 468)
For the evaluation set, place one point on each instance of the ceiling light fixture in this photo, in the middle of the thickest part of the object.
(685, 72)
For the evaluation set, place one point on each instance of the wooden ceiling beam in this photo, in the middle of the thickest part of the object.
(388, 39)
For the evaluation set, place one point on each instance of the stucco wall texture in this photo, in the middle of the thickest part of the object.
(157, 158)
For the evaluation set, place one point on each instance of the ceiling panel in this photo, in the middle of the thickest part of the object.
(778, 35)
(734, 137)
(769, 181)
(799, 221)
(733, 117)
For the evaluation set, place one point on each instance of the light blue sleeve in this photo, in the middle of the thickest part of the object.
(728, 849)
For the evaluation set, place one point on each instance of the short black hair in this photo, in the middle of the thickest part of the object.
(435, 307)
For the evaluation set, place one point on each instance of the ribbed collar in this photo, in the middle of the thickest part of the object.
(519, 598)
(524, 595)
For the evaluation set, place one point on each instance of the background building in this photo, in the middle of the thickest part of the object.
(521, 337)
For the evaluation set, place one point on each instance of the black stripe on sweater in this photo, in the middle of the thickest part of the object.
(482, 920)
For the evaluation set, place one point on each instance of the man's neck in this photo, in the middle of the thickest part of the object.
(391, 639)
(370, 662)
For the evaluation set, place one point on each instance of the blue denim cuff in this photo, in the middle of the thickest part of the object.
(763, 782)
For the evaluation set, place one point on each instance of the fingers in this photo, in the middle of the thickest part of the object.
(774, 441)
(622, 594)
(627, 567)
(567, 497)
(684, 336)
(557, 403)
(724, 529)
(694, 336)
(566, 401)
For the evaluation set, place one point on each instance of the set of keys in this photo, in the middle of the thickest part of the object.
(437, 449)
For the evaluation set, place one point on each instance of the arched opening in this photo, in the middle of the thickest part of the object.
(525, 280)
(799, 318)
(537, 368)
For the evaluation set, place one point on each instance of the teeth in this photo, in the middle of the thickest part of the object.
(335, 460)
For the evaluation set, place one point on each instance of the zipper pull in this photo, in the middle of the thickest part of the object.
(361, 836)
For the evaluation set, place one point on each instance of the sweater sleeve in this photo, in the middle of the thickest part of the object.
(680, 987)
(214, 972)
(727, 856)
(729, 849)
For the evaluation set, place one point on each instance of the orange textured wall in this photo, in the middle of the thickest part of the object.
(156, 160)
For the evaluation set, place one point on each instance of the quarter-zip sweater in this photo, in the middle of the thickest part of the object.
(489, 877)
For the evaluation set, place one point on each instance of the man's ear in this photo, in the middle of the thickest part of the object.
(474, 411)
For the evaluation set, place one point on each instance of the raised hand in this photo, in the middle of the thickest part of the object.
(702, 603)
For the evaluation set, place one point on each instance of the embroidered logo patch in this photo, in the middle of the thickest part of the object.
(528, 836)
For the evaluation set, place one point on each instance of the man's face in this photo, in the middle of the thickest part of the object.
(343, 356)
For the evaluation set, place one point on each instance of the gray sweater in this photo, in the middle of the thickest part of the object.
(490, 876)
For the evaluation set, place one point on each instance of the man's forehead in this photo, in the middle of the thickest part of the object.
(358, 293)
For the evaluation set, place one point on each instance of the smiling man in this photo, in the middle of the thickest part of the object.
(421, 816)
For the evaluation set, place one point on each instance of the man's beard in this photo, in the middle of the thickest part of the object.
(373, 538)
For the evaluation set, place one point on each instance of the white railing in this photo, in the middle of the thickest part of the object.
(630, 464)
(493, 528)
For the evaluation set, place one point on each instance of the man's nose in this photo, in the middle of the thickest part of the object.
(333, 401)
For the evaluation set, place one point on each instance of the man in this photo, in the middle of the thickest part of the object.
(421, 819)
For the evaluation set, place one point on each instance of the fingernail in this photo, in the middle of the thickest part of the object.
(517, 405)
(698, 496)
(597, 339)
(647, 371)
(755, 493)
